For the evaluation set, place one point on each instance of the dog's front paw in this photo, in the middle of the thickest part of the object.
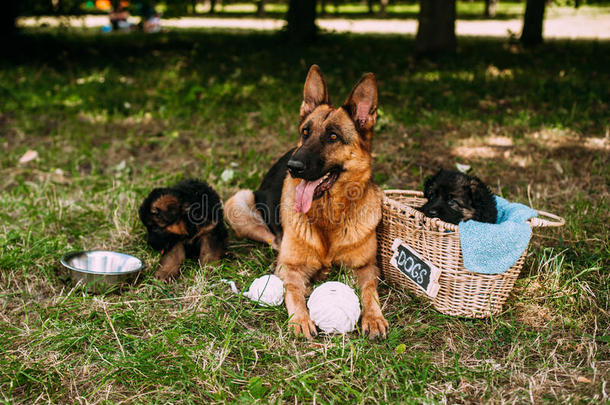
(376, 326)
(275, 243)
(164, 275)
(303, 325)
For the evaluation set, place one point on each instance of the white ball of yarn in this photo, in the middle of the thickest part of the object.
(334, 307)
(266, 290)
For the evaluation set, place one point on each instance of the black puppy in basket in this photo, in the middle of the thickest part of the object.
(454, 196)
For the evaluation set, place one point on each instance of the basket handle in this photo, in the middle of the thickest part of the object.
(555, 220)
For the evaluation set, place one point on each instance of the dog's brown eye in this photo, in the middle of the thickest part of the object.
(305, 133)
(333, 137)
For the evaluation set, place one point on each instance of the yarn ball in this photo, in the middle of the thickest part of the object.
(266, 290)
(334, 307)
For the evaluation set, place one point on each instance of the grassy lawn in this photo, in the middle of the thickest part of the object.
(111, 117)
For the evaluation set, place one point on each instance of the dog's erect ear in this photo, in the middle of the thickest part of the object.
(315, 91)
(428, 184)
(430, 181)
(145, 208)
(479, 192)
(361, 103)
(483, 202)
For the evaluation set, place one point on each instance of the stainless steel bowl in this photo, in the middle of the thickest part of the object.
(101, 270)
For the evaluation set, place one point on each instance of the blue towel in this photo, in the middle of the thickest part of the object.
(495, 248)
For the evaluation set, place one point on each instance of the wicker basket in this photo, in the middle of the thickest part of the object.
(461, 293)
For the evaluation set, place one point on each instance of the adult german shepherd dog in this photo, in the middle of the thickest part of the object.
(318, 204)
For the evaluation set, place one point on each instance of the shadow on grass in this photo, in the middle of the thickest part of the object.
(559, 83)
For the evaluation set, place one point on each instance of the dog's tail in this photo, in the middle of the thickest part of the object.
(246, 221)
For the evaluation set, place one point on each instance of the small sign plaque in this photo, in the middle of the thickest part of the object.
(422, 273)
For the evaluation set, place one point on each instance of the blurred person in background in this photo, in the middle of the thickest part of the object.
(119, 17)
(151, 19)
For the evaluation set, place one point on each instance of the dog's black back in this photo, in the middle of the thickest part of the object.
(454, 197)
(269, 194)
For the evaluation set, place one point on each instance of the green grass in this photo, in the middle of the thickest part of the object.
(111, 117)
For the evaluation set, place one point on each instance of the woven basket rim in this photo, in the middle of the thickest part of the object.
(539, 221)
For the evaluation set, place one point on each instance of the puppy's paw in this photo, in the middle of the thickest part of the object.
(376, 326)
(303, 325)
(165, 275)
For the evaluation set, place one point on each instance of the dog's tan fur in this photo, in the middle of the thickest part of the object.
(340, 226)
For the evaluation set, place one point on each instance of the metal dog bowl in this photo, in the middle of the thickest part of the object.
(101, 270)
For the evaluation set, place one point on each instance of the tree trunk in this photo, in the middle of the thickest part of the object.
(260, 8)
(212, 6)
(322, 7)
(383, 4)
(370, 4)
(8, 19)
(532, 22)
(301, 18)
(436, 28)
(491, 8)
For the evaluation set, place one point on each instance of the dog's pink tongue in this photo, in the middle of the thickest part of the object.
(304, 195)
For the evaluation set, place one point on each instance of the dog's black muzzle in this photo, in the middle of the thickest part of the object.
(306, 164)
(438, 209)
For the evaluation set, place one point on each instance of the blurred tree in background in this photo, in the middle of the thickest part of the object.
(212, 6)
(532, 22)
(491, 8)
(301, 20)
(436, 29)
(260, 7)
(8, 17)
(383, 4)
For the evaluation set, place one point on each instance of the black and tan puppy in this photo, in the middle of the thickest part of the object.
(184, 220)
(318, 204)
(454, 197)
